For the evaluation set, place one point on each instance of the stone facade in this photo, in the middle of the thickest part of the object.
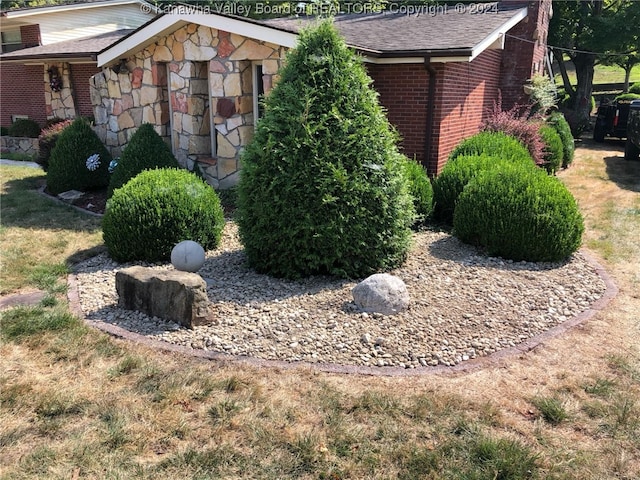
(59, 104)
(196, 86)
(23, 145)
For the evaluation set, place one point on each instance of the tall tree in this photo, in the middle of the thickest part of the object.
(583, 30)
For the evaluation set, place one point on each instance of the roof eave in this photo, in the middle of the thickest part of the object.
(165, 24)
(495, 40)
(51, 58)
(27, 12)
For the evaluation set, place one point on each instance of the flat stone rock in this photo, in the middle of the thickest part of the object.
(70, 196)
(172, 295)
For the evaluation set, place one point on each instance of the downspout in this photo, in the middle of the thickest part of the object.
(430, 109)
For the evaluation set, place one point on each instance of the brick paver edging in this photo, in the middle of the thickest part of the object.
(464, 367)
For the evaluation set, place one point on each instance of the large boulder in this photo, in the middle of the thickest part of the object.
(381, 293)
(172, 295)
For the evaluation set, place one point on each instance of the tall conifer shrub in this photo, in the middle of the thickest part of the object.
(321, 189)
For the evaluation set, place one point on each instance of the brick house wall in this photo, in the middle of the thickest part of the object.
(404, 92)
(22, 93)
(30, 36)
(465, 92)
(524, 51)
(80, 79)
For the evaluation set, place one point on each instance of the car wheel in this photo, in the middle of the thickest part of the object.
(631, 152)
(598, 132)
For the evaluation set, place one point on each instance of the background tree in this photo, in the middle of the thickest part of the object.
(584, 31)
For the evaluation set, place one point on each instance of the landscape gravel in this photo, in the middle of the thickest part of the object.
(463, 305)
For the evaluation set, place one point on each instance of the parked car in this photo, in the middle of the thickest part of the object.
(632, 147)
(612, 120)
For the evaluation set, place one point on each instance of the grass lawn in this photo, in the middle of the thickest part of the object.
(601, 74)
(77, 403)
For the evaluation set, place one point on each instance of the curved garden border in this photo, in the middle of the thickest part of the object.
(464, 367)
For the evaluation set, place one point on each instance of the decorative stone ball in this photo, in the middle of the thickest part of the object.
(187, 256)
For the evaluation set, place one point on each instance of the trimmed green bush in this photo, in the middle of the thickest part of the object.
(635, 88)
(47, 141)
(156, 210)
(322, 189)
(145, 151)
(553, 149)
(455, 175)
(557, 121)
(24, 127)
(420, 190)
(519, 213)
(494, 144)
(73, 164)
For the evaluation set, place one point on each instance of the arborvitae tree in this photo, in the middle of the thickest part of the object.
(79, 161)
(322, 190)
(145, 151)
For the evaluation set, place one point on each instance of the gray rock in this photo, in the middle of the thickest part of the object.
(70, 196)
(381, 293)
(168, 294)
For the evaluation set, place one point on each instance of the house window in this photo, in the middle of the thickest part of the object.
(258, 92)
(11, 41)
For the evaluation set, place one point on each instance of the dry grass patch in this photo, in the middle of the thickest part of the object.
(79, 404)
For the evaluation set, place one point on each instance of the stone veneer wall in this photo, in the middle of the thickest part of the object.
(59, 104)
(196, 86)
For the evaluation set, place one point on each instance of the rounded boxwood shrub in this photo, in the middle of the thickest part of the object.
(146, 150)
(457, 173)
(157, 209)
(520, 214)
(24, 127)
(494, 144)
(420, 190)
(557, 121)
(322, 189)
(553, 149)
(47, 141)
(635, 88)
(79, 160)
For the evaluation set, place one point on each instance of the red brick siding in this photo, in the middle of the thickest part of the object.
(30, 36)
(22, 93)
(403, 90)
(524, 52)
(466, 92)
(80, 75)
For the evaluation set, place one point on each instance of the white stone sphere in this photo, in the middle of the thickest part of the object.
(187, 256)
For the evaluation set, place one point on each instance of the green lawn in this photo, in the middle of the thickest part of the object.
(602, 74)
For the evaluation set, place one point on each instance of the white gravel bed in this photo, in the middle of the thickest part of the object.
(463, 305)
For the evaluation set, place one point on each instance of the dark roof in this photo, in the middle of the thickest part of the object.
(443, 28)
(78, 48)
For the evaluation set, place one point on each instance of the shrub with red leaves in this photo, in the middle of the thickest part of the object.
(518, 123)
(47, 140)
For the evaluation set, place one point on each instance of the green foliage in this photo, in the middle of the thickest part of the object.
(551, 409)
(145, 151)
(553, 149)
(157, 209)
(519, 213)
(627, 97)
(321, 189)
(68, 162)
(24, 127)
(494, 144)
(557, 121)
(17, 324)
(4, 131)
(544, 93)
(420, 189)
(635, 88)
(47, 141)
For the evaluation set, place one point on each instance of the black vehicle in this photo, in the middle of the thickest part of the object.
(632, 147)
(612, 120)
